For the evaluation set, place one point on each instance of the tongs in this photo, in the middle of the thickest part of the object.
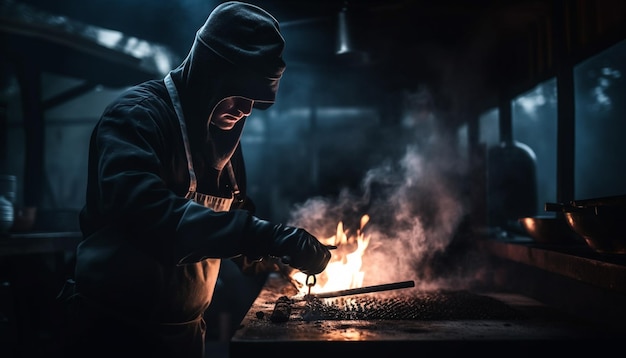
(357, 291)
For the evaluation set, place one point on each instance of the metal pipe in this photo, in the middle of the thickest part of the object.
(366, 289)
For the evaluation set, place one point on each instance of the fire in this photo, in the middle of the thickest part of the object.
(344, 269)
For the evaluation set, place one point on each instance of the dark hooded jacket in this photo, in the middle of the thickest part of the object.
(145, 245)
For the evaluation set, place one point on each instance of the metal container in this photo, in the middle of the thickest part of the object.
(599, 221)
(6, 214)
(602, 228)
(8, 187)
(546, 229)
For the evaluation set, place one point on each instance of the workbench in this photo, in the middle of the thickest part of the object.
(537, 328)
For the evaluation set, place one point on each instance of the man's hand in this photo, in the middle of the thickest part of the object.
(294, 246)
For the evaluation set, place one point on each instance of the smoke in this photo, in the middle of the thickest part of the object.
(415, 203)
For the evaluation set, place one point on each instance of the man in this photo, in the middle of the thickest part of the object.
(166, 195)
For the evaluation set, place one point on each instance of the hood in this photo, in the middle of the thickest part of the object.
(237, 52)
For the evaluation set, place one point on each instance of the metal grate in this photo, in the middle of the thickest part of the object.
(439, 305)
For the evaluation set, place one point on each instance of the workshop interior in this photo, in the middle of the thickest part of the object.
(464, 160)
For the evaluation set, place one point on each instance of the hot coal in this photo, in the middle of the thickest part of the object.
(437, 305)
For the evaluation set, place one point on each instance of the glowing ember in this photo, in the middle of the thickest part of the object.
(344, 269)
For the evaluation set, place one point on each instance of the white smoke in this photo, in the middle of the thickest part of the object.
(416, 198)
(415, 209)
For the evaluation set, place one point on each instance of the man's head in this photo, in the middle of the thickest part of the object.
(249, 38)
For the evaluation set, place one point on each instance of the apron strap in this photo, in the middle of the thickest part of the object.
(171, 89)
(193, 182)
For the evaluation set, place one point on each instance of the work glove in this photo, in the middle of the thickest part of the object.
(294, 246)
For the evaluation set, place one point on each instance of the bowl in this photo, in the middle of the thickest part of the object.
(599, 221)
(602, 227)
(548, 229)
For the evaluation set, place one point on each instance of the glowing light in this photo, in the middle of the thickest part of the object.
(603, 101)
(344, 269)
(532, 101)
(108, 38)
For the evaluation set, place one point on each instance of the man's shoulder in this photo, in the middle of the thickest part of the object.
(144, 96)
(150, 91)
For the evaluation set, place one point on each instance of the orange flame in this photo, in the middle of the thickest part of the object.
(344, 269)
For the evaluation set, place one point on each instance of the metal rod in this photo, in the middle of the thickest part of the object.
(366, 289)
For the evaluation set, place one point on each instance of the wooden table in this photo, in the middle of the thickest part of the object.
(574, 261)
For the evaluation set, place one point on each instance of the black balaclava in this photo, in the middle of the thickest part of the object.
(237, 52)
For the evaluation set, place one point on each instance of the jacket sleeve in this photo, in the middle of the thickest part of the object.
(130, 155)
